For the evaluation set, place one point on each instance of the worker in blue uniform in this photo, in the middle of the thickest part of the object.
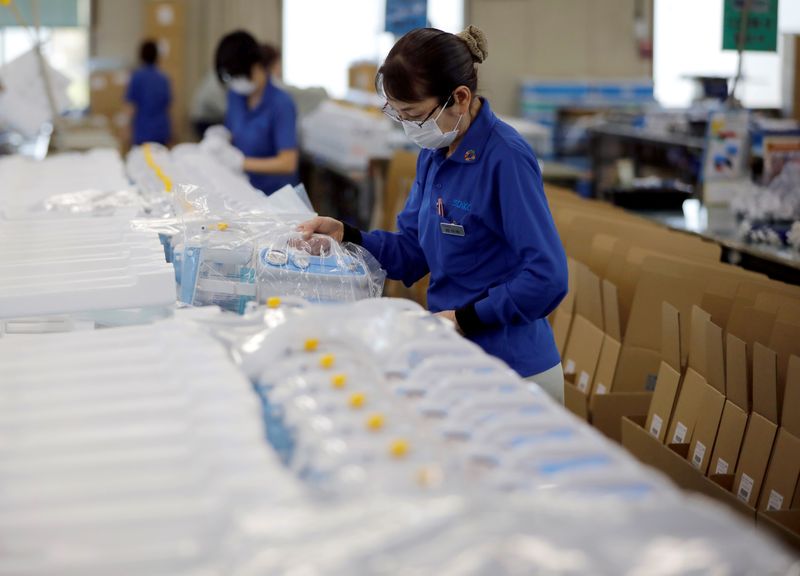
(260, 117)
(477, 217)
(149, 95)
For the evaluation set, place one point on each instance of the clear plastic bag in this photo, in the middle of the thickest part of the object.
(229, 259)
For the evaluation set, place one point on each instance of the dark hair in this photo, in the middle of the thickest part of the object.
(148, 52)
(428, 62)
(270, 54)
(236, 54)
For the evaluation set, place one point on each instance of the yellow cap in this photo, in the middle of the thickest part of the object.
(273, 302)
(339, 381)
(311, 344)
(399, 448)
(357, 400)
(327, 361)
(222, 226)
(375, 422)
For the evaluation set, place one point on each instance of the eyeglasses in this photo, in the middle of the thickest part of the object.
(395, 115)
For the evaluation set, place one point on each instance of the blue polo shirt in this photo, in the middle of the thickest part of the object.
(508, 268)
(264, 131)
(149, 91)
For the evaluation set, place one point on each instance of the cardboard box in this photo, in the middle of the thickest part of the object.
(562, 317)
(611, 320)
(164, 17)
(660, 412)
(671, 335)
(785, 341)
(576, 401)
(606, 366)
(687, 408)
(715, 358)
(732, 426)
(790, 417)
(756, 449)
(697, 340)
(583, 352)
(361, 76)
(761, 429)
(765, 378)
(673, 463)
(107, 91)
(608, 410)
(783, 472)
(737, 373)
(605, 411)
(704, 436)
(781, 484)
(588, 297)
(640, 356)
(586, 334)
(637, 369)
(750, 325)
(718, 306)
(784, 524)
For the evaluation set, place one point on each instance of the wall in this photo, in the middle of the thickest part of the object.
(555, 39)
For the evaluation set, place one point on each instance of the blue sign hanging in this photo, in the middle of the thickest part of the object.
(405, 15)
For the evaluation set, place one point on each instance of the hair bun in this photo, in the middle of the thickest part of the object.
(475, 40)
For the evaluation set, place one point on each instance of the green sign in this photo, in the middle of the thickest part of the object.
(761, 31)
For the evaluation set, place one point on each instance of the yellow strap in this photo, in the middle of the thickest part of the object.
(151, 162)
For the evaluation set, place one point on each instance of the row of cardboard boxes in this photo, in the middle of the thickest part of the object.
(692, 364)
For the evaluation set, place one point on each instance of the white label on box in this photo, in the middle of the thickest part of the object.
(699, 453)
(722, 466)
(745, 488)
(165, 15)
(570, 367)
(583, 381)
(601, 389)
(655, 425)
(775, 501)
(680, 433)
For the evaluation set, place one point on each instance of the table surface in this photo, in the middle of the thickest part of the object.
(720, 226)
(631, 132)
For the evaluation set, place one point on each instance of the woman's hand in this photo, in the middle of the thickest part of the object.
(322, 225)
(451, 316)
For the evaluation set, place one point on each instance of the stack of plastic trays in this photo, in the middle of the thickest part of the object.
(27, 182)
(128, 451)
(74, 265)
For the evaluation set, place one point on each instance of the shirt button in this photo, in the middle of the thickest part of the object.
(438, 185)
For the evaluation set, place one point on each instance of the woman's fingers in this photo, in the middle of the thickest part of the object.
(308, 228)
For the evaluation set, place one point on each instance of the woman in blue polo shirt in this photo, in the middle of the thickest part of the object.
(149, 96)
(260, 116)
(476, 218)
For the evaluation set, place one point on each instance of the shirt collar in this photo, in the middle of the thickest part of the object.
(470, 149)
(266, 97)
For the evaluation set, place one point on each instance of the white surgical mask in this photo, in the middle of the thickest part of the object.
(241, 85)
(429, 135)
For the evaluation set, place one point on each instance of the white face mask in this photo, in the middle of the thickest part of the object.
(429, 135)
(241, 85)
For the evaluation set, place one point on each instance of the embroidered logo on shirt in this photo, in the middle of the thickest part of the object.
(461, 205)
(469, 155)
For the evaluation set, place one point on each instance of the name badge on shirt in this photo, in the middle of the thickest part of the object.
(452, 229)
